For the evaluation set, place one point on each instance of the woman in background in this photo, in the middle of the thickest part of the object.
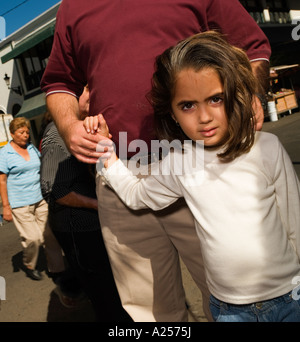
(21, 192)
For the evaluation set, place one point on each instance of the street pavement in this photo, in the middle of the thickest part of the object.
(27, 300)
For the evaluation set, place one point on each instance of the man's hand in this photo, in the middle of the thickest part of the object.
(80, 143)
(64, 110)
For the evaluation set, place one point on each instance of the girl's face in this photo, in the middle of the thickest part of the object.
(198, 106)
(21, 136)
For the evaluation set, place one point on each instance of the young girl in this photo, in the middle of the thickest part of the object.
(245, 200)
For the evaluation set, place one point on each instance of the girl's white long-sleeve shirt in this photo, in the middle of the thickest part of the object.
(247, 215)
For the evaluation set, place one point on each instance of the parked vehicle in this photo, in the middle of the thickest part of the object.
(5, 136)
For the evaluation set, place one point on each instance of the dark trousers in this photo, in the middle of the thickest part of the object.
(86, 254)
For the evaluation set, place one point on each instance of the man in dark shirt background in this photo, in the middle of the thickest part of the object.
(69, 187)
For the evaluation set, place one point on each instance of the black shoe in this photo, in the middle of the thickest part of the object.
(34, 274)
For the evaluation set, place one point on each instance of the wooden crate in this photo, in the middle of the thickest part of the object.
(285, 101)
(291, 101)
(281, 105)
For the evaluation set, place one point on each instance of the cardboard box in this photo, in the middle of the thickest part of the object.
(281, 105)
(290, 101)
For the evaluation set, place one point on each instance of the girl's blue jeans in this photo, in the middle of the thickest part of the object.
(280, 309)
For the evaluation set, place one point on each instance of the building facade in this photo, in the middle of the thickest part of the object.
(24, 55)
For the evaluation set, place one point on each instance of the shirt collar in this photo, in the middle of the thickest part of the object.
(10, 149)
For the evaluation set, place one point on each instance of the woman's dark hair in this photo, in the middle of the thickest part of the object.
(207, 50)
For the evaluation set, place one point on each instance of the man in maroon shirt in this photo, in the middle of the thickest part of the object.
(112, 45)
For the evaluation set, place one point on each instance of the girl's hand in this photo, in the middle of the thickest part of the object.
(107, 148)
(91, 124)
(96, 124)
(102, 127)
(105, 145)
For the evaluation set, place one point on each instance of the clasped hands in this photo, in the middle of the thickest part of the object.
(97, 124)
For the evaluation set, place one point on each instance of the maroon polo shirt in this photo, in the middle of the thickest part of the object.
(112, 45)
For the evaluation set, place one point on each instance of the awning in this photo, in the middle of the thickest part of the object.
(283, 69)
(33, 106)
(30, 42)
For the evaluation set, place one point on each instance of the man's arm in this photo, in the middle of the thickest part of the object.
(261, 71)
(65, 113)
(73, 199)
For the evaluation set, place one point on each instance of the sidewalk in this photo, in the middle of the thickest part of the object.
(35, 301)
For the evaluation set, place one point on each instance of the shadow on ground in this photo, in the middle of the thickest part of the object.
(56, 311)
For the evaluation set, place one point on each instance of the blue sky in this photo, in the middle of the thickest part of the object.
(17, 13)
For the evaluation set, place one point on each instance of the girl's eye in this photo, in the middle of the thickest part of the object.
(216, 100)
(187, 106)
